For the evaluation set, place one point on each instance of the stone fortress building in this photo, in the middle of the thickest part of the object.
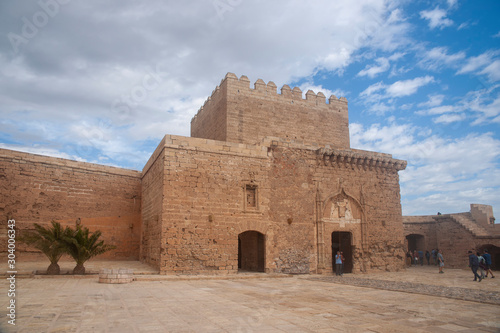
(267, 182)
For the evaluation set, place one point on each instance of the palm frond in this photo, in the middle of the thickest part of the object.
(83, 245)
(47, 239)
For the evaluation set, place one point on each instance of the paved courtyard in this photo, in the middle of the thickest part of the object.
(253, 303)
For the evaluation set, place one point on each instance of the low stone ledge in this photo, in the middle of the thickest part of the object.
(116, 276)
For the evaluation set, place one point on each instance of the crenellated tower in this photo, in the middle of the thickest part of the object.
(237, 113)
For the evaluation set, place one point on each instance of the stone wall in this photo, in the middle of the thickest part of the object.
(203, 203)
(251, 115)
(153, 184)
(305, 188)
(215, 191)
(455, 234)
(39, 189)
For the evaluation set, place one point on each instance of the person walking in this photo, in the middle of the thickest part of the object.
(440, 260)
(482, 264)
(474, 265)
(408, 258)
(428, 257)
(487, 259)
(338, 263)
(421, 257)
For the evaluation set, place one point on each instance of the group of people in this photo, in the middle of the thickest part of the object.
(339, 263)
(417, 257)
(482, 263)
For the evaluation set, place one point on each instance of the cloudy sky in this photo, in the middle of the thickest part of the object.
(103, 81)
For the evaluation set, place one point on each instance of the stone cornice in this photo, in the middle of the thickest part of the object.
(364, 160)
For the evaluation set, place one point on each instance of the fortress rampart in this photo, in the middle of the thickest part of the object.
(39, 189)
(237, 113)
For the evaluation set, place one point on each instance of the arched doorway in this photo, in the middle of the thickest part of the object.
(251, 251)
(342, 241)
(415, 242)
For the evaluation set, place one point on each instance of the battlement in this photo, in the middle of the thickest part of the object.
(262, 89)
(235, 112)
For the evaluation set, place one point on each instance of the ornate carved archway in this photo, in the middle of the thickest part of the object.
(344, 211)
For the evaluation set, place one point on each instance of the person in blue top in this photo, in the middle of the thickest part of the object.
(487, 258)
(421, 257)
(338, 263)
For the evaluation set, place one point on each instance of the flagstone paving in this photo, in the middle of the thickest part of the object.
(305, 303)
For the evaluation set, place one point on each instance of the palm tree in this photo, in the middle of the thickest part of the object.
(82, 245)
(49, 240)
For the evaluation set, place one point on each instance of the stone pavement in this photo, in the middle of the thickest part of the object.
(258, 303)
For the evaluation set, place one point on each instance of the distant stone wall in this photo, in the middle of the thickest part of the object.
(455, 234)
(39, 189)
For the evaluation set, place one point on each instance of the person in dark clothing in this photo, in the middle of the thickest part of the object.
(434, 253)
(428, 257)
(487, 258)
(474, 265)
(408, 258)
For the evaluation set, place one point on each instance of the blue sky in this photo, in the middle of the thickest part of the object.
(103, 82)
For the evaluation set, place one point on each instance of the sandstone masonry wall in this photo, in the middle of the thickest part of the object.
(254, 114)
(205, 205)
(211, 120)
(300, 180)
(39, 189)
(152, 208)
(203, 209)
(453, 238)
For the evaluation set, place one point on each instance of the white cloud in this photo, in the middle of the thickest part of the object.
(437, 110)
(474, 63)
(485, 103)
(449, 118)
(398, 88)
(373, 89)
(382, 65)
(434, 100)
(318, 88)
(437, 18)
(380, 98)
(451, 3)
(372, 71)
(438, 56)
(439, 172)
(41, 150)
(408, 87)
(390, 34)
(492, 71)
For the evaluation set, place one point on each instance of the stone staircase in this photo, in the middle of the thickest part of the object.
(466, 221)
